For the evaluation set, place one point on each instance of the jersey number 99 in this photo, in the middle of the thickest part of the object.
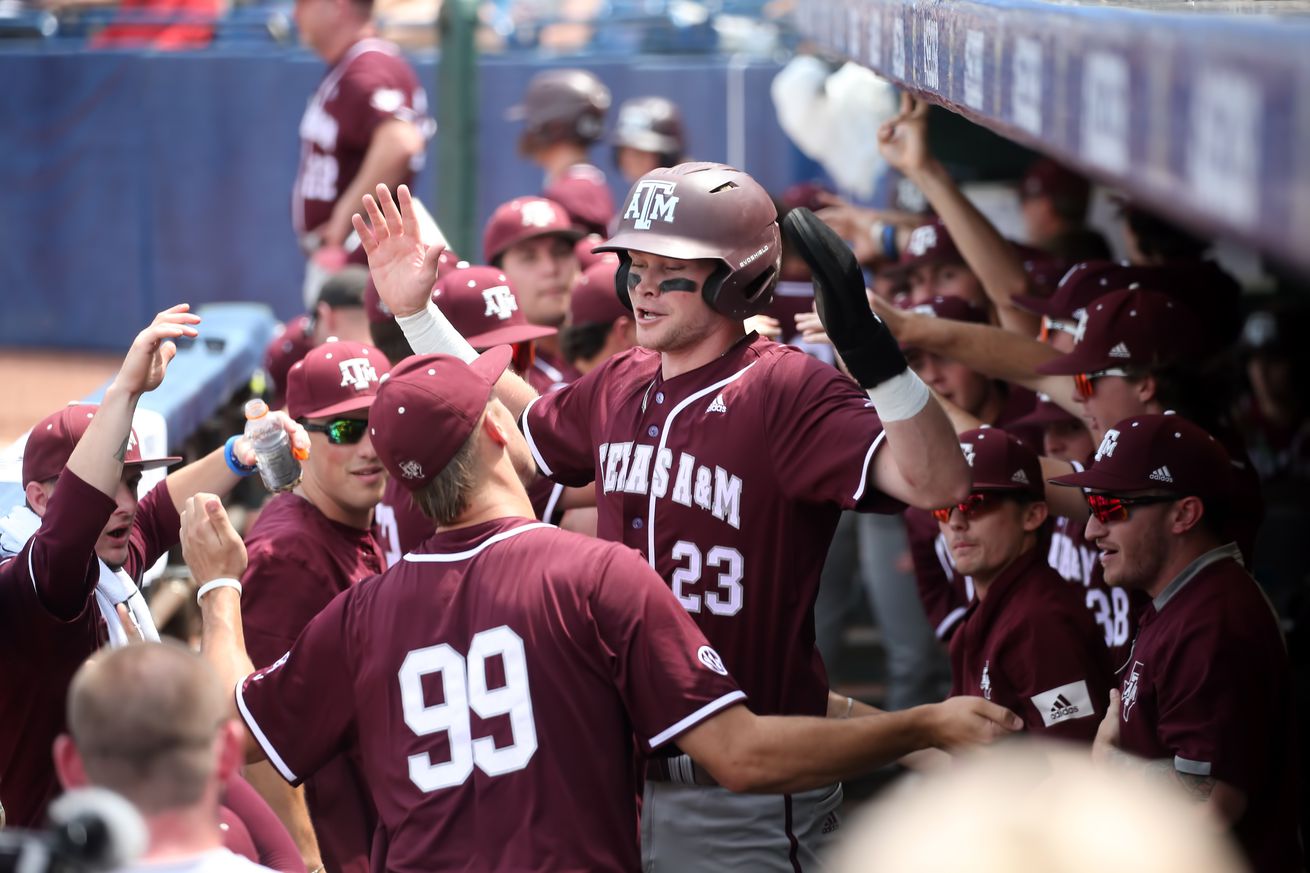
(464, 689)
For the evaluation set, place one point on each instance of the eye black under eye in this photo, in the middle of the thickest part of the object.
(633, 280)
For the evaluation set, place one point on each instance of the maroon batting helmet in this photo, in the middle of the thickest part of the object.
(561, 105)
(700, 211)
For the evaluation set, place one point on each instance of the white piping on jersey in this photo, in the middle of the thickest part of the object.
(951, 618)
(556, 493)
(664, 437)
(554, 375)
(269, 752)
(699, 715)
(372, 44)
(448, 557)
(527, 432)
(868, 459)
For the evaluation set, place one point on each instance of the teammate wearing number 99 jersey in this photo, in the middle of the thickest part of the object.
(495, 678)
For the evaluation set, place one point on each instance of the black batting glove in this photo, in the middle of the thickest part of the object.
(870, 352)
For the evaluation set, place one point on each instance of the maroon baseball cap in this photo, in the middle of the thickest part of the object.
(582, 249)
(480, 304)
(291, 344)
(1047, 178)
(525, 218)
(1132, 329)
(1157, 452)
(52, 439)
(953, 308)
(1000, 462)
(377, 310)
(1080, 285)
(594, 298)
(929, 243)
(1045, 412)
(585, 196)
(333, 379)
(426, 410)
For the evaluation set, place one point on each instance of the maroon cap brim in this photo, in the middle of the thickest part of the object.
(1074, 363)
(153, 463)
(355, 404)
(491, 364)
(515, 333)
(1043, 415)
(1100, 480)
(1034, 304)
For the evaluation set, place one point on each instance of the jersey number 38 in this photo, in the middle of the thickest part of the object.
(464, 690)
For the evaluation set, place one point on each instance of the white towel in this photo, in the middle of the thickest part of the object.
(114, 587)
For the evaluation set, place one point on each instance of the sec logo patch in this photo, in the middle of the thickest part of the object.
(711, 659)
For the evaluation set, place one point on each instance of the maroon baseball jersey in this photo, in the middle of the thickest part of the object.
(550, 372)
(1031, 647)
(730, 480)
(944, 592)
(494, 681)
(1208, 687)
(369, 85)
(401, 525)
(585, 195)
(252, 830)
(299, 560)
(50, 624)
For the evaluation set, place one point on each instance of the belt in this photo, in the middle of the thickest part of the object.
(679, 769)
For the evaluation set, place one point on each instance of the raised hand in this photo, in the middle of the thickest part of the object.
(211, 547)
(903, 141)
(969, 721)
(404, 269)
(245, 452)
(147, 360)
(1107, 735)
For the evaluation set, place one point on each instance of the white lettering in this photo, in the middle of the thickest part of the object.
(704, 488)
(659, 484)
(682, 485)
(638, 473)
(727, 497)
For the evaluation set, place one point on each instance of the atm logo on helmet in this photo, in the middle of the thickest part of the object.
(651, 201)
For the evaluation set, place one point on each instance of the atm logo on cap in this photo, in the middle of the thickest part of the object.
(358, 372)
(921, 240)
(651, 201)
(500, 301)
(1108, 442)
(537, 213)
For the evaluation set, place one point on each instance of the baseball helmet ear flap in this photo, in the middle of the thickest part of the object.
(727, 295)
(621, 279)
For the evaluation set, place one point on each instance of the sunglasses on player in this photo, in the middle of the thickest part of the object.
(523, 356)
(1083, 383)
(976, 504)
(340, 431)
(1111, 507)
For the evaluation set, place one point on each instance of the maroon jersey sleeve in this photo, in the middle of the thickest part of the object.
(376, 87)
(669, 678)
(1060, 684)
(271, 844)
(1214, 715)
(558, 429)
(281, 594)
(59, 560)
(822, 433)
(155, 531)
(301, 708)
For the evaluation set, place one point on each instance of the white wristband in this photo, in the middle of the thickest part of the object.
(430, 333)
(900, 397)
(217, 583)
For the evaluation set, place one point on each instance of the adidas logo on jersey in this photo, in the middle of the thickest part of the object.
(1020, 476)
(1062, 708)
(1120, 350)
(717, 406)
(1162, 474)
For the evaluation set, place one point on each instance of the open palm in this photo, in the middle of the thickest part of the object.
(404, 269)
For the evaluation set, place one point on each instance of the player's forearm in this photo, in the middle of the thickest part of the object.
(1224, 801)
(394, 144)
(97, 459)
(788, 754)
(289, 805)
(1063, 502)
(223, 644)
(927, 455)
(210, 474)
(989, 350)
(988, 254)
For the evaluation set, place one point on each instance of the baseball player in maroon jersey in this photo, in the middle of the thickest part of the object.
(1026, 642)
(531, 239)
(72, 554)
(366, 123)
(1205, 698)
(307, 546)
(505, 658)
(648, 134)
(725, 459)
(563, 115)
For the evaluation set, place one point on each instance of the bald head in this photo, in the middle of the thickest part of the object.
(145, 719)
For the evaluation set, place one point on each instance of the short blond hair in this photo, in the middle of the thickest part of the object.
(446, 497)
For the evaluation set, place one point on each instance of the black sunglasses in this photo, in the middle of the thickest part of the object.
(340, 431)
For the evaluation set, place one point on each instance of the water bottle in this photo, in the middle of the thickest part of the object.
(277, 464)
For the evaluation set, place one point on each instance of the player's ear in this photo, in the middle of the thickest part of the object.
(231, 749)
(38, 497)
(1187, 514)
(494, 429)
(68, 763)
(1034, 515)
